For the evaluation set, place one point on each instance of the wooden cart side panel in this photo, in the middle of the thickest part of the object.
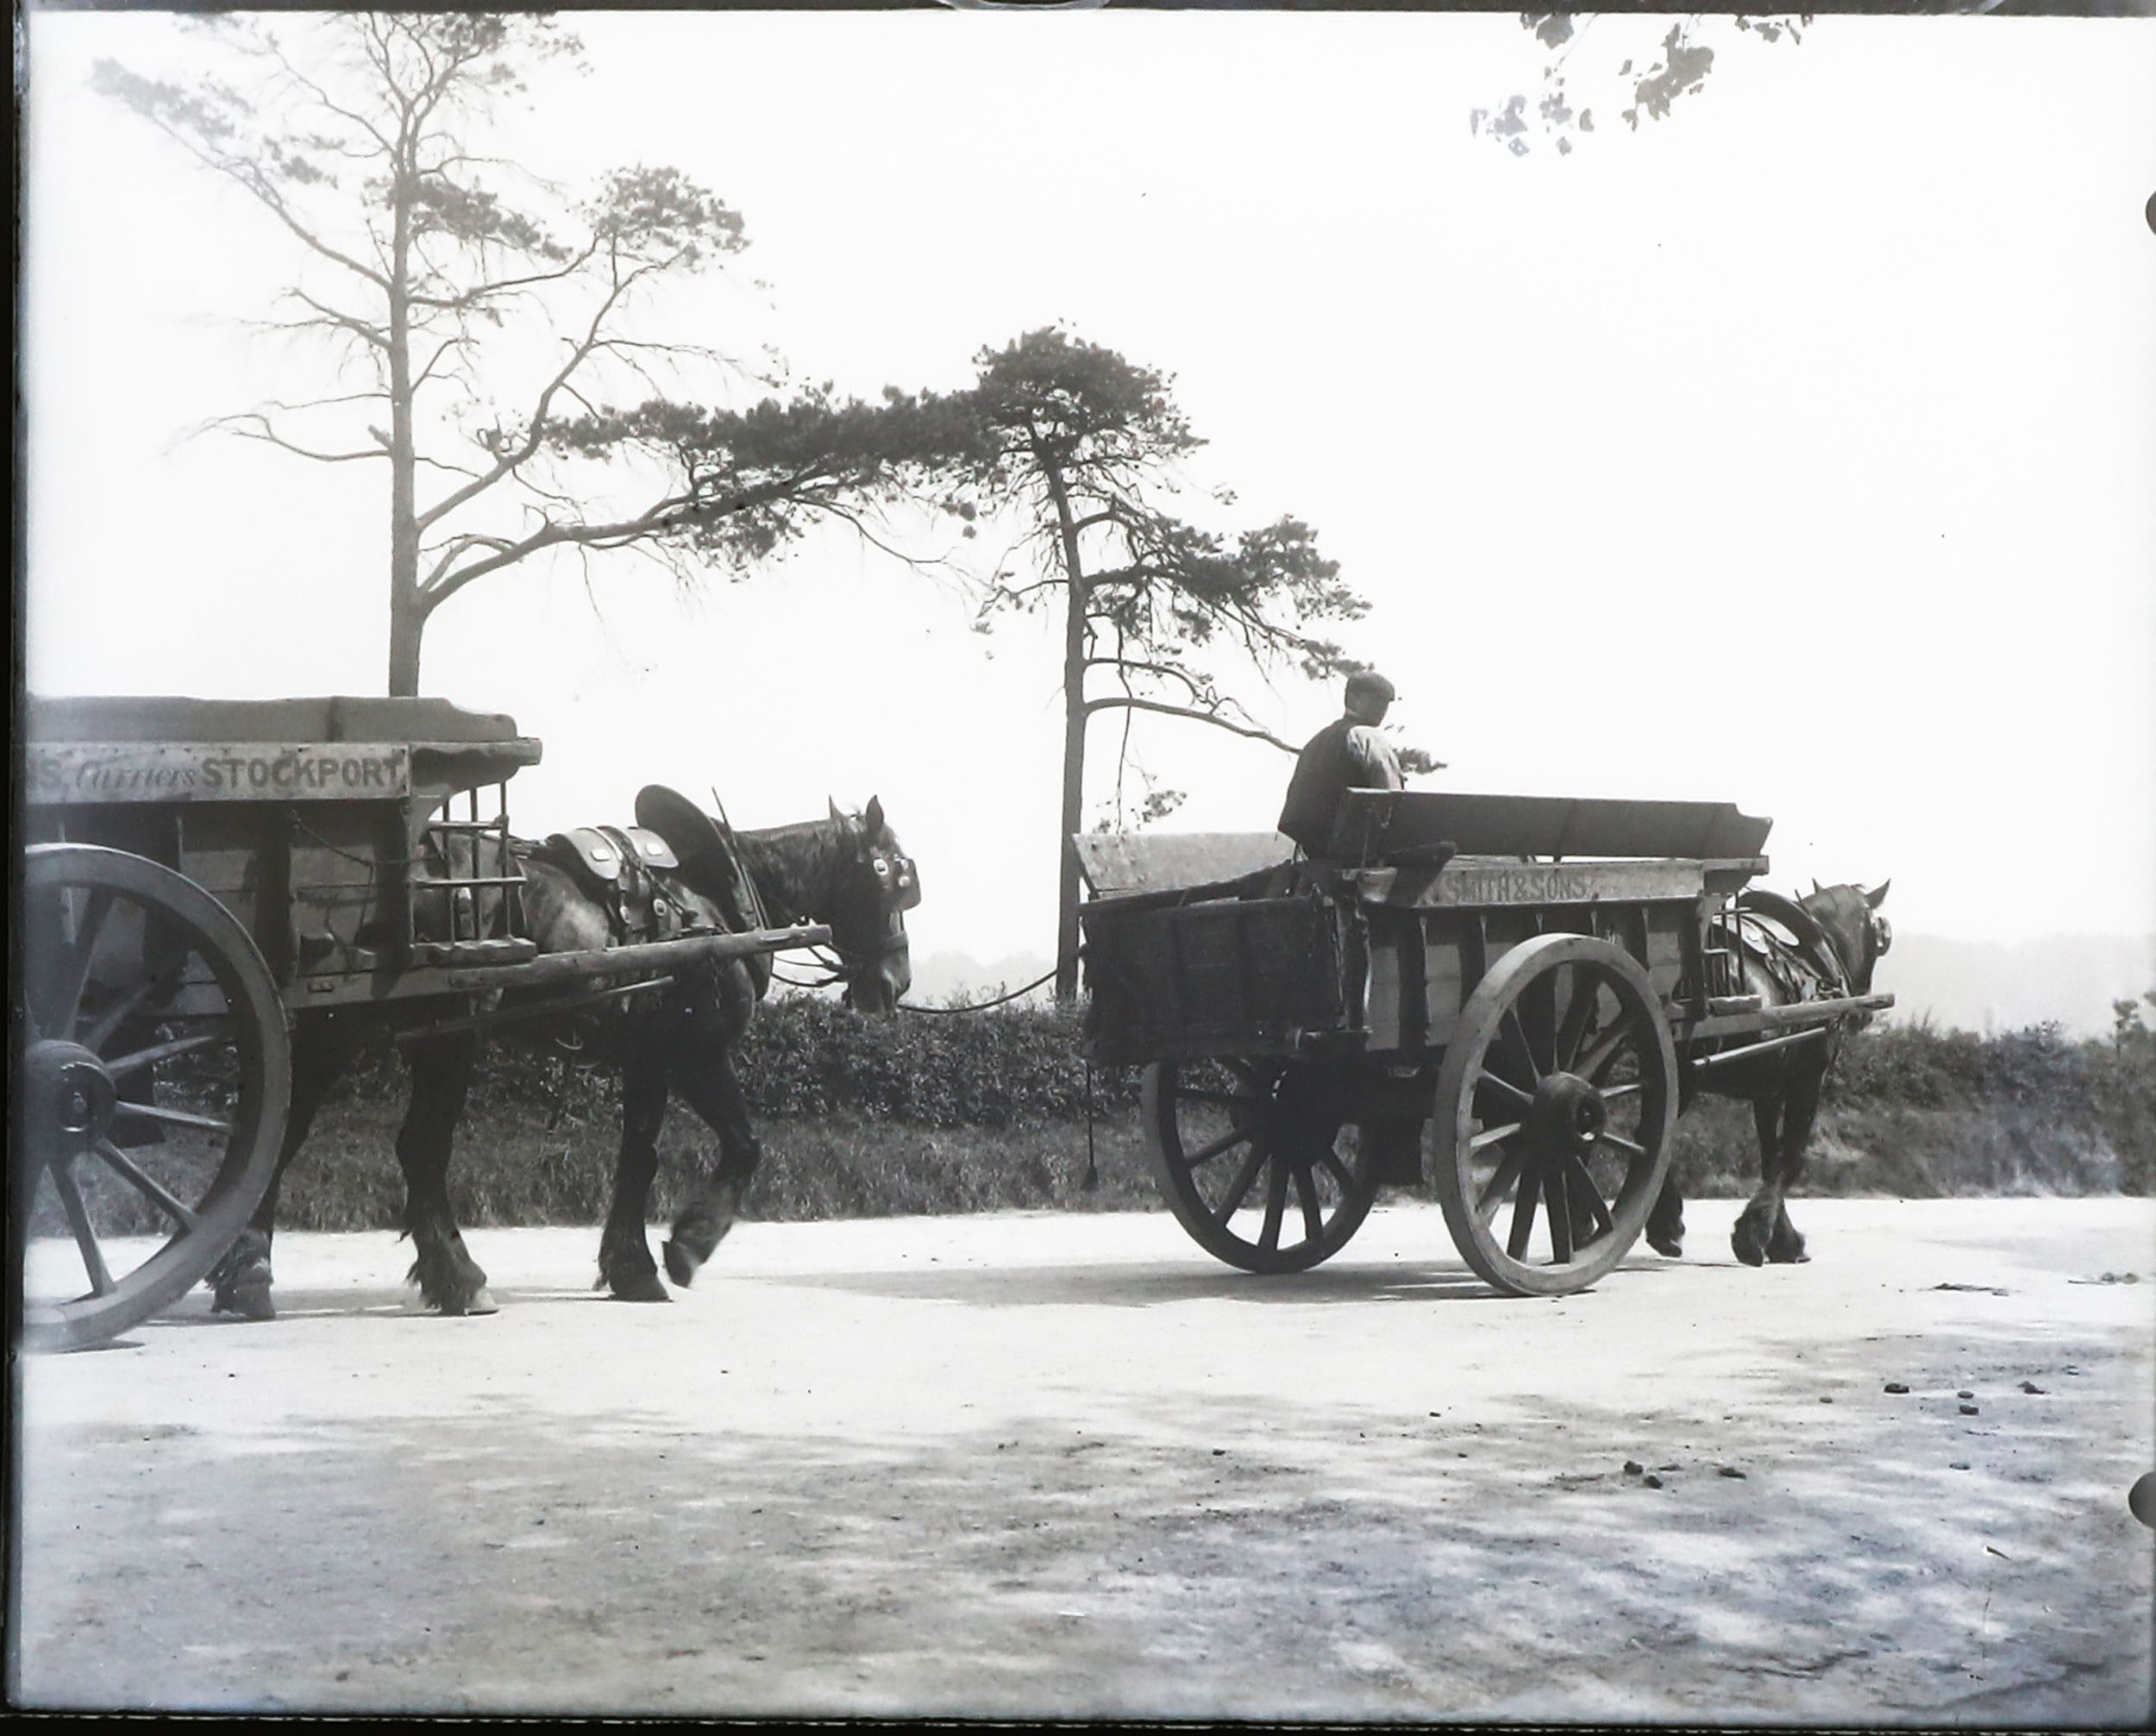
(1424, 964)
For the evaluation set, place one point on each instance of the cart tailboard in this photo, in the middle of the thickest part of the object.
(1215, 978)
(1116, 864)
(1374, 824)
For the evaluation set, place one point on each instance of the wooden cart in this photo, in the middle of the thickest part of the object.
(199, 875)
(1517, 984)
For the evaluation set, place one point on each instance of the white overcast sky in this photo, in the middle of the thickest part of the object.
(1797, 450)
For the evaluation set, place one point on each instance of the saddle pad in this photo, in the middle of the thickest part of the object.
(601, 851)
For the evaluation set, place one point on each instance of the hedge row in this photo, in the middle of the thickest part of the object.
(806, 1057)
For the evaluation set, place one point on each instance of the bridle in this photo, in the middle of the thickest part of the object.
(898, 889)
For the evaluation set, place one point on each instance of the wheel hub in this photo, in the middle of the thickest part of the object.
(1567, 1115)
(71, 1097)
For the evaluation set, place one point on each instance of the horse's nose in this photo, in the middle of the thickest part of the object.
(872, 992)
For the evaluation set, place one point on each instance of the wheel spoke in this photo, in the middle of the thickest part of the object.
(1580, 1185)
(1587, 993)
(1597, 1060)
(1491, 1136)
(75, 973)
(1504, 1085)
(177, 1118)
(1630, 1088)
(1275, 1206)
(1313, 1209)
(1537, 1012)
(1523, 1212)
(1622, 1143)
(1493, 1195)
(145, 1184)
(130, 1003)
(1557, 1203)
(1234, 1100)
(1231, 1202)
(1212, 1147)
(1331, 1163)
(1511, 1029)
(93, 1257)
(123, 1064)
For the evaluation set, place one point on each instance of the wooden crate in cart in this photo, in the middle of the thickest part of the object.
(200, 877)
(1512, 981)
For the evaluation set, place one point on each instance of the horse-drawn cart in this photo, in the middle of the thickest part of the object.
(199, 875)
(1530, 986)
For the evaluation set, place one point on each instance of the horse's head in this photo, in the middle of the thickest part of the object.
(874, 885)
(1851, 917)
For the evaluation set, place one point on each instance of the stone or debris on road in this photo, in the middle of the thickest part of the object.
(1031, 1466)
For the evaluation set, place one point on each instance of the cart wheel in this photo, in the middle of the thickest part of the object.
(1255, 1158)
(1557, 1092)
(156, 1073)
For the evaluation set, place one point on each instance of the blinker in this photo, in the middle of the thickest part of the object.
(907, 883)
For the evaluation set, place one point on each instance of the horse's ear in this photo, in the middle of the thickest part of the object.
(1876, 897)
(836, 815)
(871, 817)
(1816, 887)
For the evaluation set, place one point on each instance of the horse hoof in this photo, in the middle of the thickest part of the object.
(480, 1302)
(679, 1267)
(638, 1287)
(1672, 1246)
(1748, 1252)
(248, 1302)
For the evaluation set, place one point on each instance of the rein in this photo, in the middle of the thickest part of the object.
(979, 1006)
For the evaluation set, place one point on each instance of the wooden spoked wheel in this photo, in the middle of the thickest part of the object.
(156, 1075)
(1256, 1159)
(1554, 1106)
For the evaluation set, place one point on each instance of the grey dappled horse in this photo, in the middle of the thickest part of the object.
(847, 871)
(1841, 938)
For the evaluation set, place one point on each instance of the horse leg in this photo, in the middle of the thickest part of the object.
(1756, 1223)
(1666, 1223)
(240, 1281)
(448, 1277)
(1785, 1247)
(626, 1265)
(704, 1073)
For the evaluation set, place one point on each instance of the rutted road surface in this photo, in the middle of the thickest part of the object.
(1044, 1465)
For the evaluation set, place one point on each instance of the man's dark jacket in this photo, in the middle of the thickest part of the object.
(1346, 755)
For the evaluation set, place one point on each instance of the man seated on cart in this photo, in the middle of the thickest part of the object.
(1348, 753)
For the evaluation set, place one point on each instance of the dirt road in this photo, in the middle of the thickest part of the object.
(1068, 1465)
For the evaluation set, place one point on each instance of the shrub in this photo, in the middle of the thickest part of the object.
(863, 1116)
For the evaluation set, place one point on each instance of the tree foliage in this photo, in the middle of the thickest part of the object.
(1082, 447)
(1684, 58)
(480, 320)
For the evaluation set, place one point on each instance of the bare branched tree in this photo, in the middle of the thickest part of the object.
(481, 320)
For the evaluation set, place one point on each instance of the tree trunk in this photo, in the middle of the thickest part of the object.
(407, 615)
(1071, 818)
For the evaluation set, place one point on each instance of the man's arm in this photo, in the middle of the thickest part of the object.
(1377, 765)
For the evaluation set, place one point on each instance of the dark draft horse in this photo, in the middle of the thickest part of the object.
(847, 872)
(1826, 946)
